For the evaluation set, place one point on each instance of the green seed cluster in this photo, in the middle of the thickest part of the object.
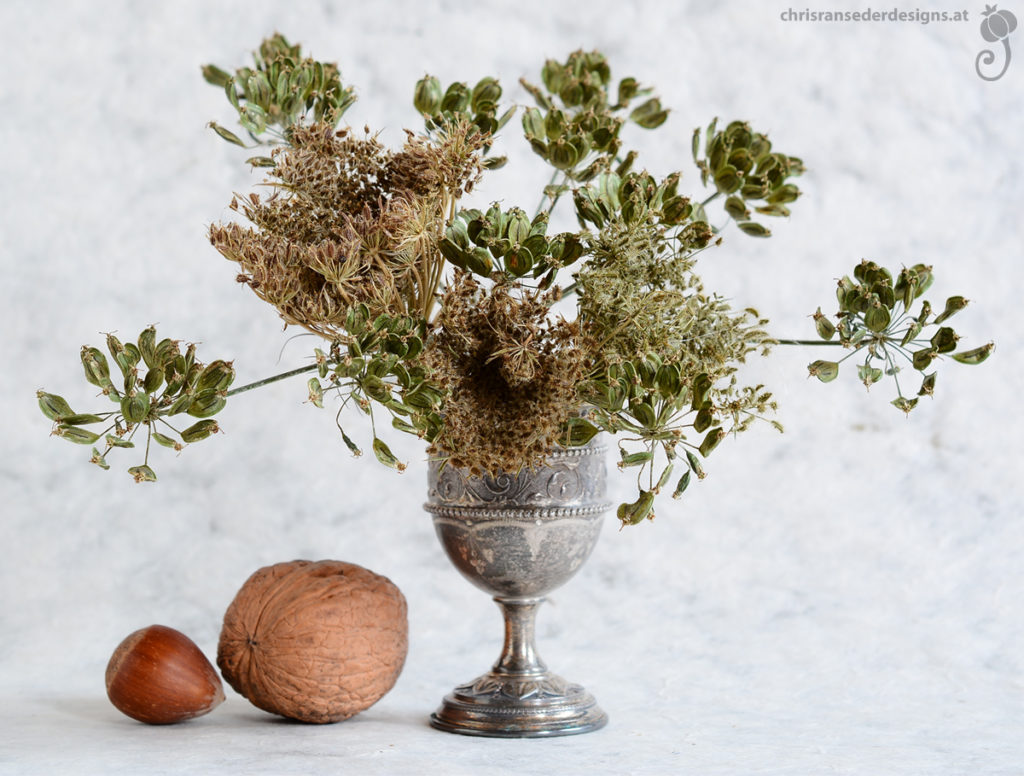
(157, 382)
(282, 89)
(443, 317)
(575, 127)
(510, 242)
(743, 167)
(444, 109)
(875, 321)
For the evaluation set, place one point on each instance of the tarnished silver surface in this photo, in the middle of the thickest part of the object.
(518, 537)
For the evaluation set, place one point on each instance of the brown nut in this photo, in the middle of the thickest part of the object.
(159, 676)
(316, 642)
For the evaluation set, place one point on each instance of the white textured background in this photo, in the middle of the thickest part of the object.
(846, 598)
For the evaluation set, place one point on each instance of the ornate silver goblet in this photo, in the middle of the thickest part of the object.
(518, 537)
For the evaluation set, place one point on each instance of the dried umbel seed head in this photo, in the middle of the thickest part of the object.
(314, 641)
(159, 676)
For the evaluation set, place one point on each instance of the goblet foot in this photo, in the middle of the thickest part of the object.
(518, 706)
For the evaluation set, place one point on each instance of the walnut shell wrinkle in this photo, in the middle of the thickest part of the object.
(314, 641)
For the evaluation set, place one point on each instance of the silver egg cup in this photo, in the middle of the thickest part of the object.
(518, 537)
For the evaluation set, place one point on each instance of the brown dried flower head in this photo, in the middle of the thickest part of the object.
(349, 221)
(509, 372)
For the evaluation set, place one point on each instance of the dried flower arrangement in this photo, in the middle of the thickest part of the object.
(442, 316)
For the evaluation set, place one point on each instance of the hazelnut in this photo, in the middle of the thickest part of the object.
(159, 676)
(316, 642)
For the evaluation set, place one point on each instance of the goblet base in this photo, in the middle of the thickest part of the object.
(501, 705)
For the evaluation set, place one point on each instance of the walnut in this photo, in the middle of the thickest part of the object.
(314, 641)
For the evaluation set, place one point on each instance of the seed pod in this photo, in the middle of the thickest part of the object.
(206, 404)
(132, 353)
(563, 155)
(214, 75)
(912, 331)
(518, 228)
(135, 407)
(877, 317)
(904, 404)
(98, 459)
(114, 345)
(253, 118)
(944, 340)
(736, 208)
(181, 404)
(844, 292)
(695, 465)
(953, 305)
(682, 485)
(97, 371)
(226, 134)
(906, 287)
(644, 413)
(587, 208)
(456, 98)
(923, 358)
(925, 278)
(826, 329)
(116, 441)
(80, 420)
(258, 86)
(826, 371)
(147, 347)
(714, 436)
(926, 311)
(427, 96)
(676, 210)
(669, 380)
(165, 441)
(554, 75)
(741, 160)
(142, 473)
(216, 377)
(728, 179)
(231, 92)
(199, 431)
(79, 436)
(649, 115)
(784, 195)
(663, 479)
(635, 459)
(153, 380)
(533, 124)
(868, 375)
(701, 388)
(754, 229)
(975, 356)
(628, 89)
(703, 420)
(316, 392)
(385, 456)
(632, 514)
(485, 95)
(53, 406)
(580, 432)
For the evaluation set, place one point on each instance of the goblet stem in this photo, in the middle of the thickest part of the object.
(519, 655)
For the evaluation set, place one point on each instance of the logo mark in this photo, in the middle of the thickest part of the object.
(996, 26)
